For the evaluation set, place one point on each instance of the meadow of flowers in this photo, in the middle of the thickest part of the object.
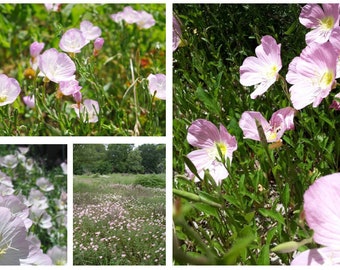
(256, 143)
(33, 209)
(82, 69)
(117, 224)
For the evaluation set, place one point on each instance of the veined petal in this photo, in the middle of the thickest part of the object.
(229, 140)
(248, 124)
(283, 119)
(311, 15)
(200, 159)
(202, 133)
(321, 206)
(318, 256)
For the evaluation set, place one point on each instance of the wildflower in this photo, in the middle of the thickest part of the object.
(157, 85)
(89, 31)
(35, 50)
(37, 199)
(262, 70)
(44, 184)
(9, 90)
(280, 121)
(73, 41)
(13, 243)
(176, 33)
(36, 255)
(52, 7)
(98, 44)
(58, 255)
(68, 88)
(56, 66)
(335, 103)
(29, 101)
(145, 20)
(77, 96)
(89, 110)
(321, 20)
(9, 161)
(206, 136)
(322, 214)
(312, 75)
(129, 15)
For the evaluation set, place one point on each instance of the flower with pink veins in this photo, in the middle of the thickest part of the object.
(29, 101)
(280, 121)
(145, 20)
(262, 70)
(9, 90)
(129, 15)
(312, 75)
(89, 31)
(321, 20)
(206, 136)
(89, 110)
(157, 85)
(73, 41)
(336, 103)
(56, 66)
(176, 33)
(321, 207)
(68, 88)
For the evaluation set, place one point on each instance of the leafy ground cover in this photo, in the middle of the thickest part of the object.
(242, 215)
(117, 222)
(112, 85)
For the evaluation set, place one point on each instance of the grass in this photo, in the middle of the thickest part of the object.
(116, 223)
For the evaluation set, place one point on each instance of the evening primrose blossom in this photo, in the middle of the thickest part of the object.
(280, 121)
(9, 90)
(262, 70)
(322, 20)
(211, 141)
(322, 212)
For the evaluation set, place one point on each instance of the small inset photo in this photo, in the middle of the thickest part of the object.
(119, 204)
(33, 204)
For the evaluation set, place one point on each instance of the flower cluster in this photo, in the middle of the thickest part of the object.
(142, 18)
(29, 205)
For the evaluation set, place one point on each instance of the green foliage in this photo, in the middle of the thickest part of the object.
(259, 205)
(151, 180)
(116, 78)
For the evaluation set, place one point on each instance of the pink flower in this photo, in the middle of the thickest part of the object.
(56, 66)
(262, 70)
(77, 96)
(321, 20)
(336, 103)
(69, 87)
(35, 50)
(280, 121)
(321, 207)
(312, 75)
(73, 41)
(176, 33)
(206, 136)
(141, 18)
(89, 31)
(89, 110)
(29, 101)
(157, 85)
(97, 45)
(9, 90)
(52, 7)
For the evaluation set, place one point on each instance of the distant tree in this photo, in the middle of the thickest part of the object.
(117, 155)
(87, 158)
(153, 157)
(134, 162)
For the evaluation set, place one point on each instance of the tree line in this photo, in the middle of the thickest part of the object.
(118, 158)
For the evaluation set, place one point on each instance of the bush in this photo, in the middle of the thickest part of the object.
(151, 180)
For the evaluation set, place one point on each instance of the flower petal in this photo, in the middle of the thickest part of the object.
(202, 133)
(318, 256)
(248, 124)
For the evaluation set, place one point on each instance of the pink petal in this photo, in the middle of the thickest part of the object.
(321, 205)
(283, 119)
(248, 124)
(311, 15)
(200, 159)
(320, 256)
(229, 140)
(202, 133)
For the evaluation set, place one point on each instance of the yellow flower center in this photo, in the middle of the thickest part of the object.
(272, 71)
(271, 135)
(326, 79)
(327, 23)
(223, 148)
(3, 98)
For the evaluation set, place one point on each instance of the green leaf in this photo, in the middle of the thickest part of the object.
(239, 247)
(285, 195)
(191, 167)
(208, 101)
(272, 214)
(207, 209)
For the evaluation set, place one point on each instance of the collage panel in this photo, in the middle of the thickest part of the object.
(256, 154)
(33, 204)
(119, 204)
(76, 69)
